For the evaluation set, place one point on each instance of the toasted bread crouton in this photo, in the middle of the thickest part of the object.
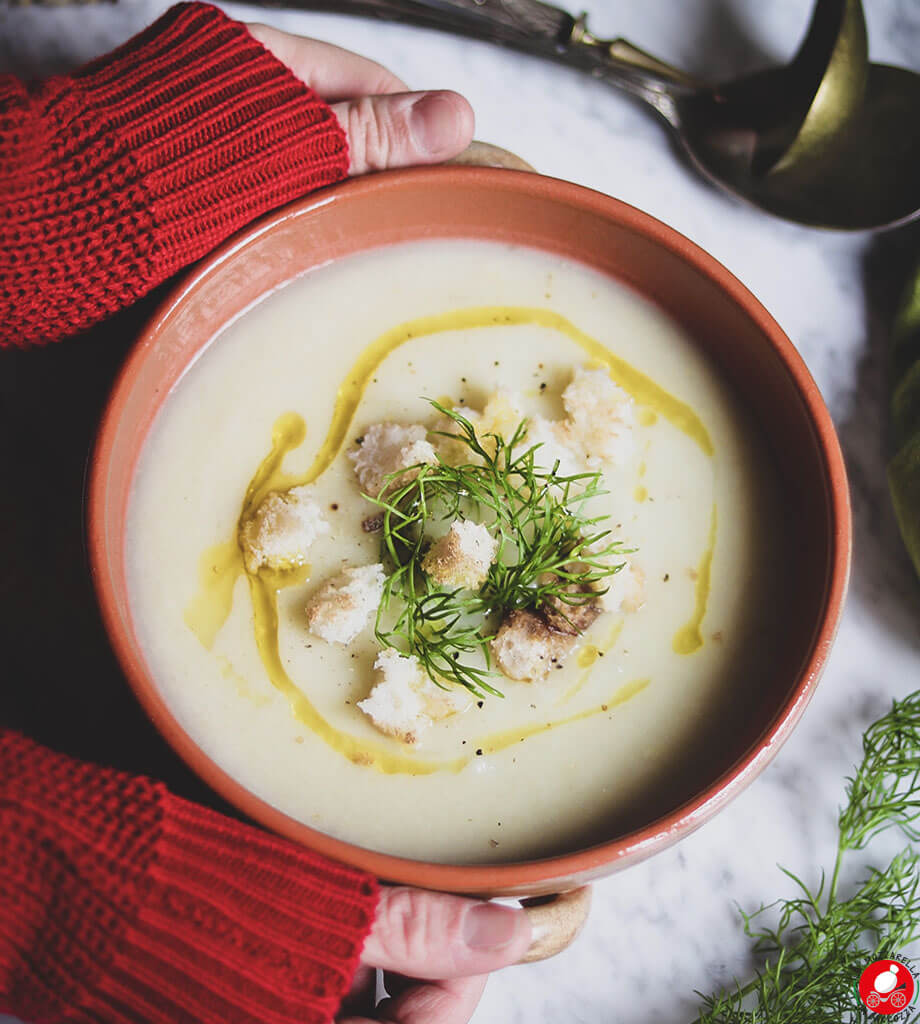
(339, 610)
(554, 446)
(501, 415)
(387, 448)
(446, 431)
(527, 647)
(601, 418)
(282, 529)
(404, 702)
(576, 614)
(461, 558)
(625, 590)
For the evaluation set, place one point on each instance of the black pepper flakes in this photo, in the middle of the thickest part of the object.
(479, 752)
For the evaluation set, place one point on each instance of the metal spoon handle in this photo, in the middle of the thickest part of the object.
(517, 19)
(531, 27)
(527, 24)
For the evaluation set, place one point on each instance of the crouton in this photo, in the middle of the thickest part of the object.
(461, 558)
(527, 647)
(601, 418)
(555, 446)
(339, 610)
(387, 448)
(404, 702)
(575, 617)
(501, 416)
(281, 531)
(625, 590)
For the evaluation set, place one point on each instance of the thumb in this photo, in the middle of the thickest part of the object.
(424, 934)
(404, 129)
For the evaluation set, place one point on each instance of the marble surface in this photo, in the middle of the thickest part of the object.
(668, 927)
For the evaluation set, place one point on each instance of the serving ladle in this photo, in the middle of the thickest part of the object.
(827, 140)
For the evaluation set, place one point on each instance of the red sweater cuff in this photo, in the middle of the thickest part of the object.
(122, 903)
(142, 162)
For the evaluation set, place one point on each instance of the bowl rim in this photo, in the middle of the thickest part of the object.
(528, 875)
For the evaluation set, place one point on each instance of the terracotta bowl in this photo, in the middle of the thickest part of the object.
(729, 324)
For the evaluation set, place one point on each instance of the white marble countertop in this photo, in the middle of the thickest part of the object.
(674, 918)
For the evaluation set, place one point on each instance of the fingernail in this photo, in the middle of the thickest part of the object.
(433, 124)
(489, 926)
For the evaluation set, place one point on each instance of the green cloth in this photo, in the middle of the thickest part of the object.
(904, 468)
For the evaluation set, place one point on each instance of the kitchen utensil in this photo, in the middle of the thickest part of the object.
(827, 140)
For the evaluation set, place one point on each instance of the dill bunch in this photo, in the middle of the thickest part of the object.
(549, 550)
(813, 956)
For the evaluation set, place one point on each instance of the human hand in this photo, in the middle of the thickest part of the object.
(386, 125)
(436, 952)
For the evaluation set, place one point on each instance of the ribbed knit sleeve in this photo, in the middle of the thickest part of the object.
(122, 904)
(115, 177)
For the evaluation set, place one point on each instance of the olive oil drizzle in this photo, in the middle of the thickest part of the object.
(288, 432)
(241, 683)
(357, 750)
(500, 740)
(690, 638)
(587, 658)
(222, 564)
(653, 398)
(209, 609)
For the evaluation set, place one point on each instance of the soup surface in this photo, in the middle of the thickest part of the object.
(626, 729)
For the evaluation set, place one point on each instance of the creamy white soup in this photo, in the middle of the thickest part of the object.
(631, 720)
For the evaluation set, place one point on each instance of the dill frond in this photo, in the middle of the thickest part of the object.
(813, 956)
(549, 547)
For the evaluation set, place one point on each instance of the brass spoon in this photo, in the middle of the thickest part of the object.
(827, 140)
(847, 160)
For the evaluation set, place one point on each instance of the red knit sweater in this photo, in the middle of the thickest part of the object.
(118, 901)
(115, 177)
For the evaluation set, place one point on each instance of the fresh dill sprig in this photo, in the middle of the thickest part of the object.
(885, 791)
(814, 955)
(549, 549)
